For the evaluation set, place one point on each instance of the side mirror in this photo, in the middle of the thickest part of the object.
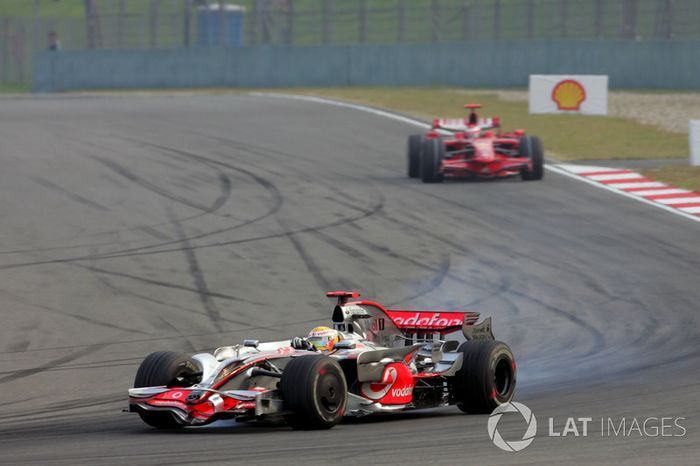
(345, 344)
(251, 343)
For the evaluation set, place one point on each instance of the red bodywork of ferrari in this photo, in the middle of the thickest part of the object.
(486, 155)
(473, 148)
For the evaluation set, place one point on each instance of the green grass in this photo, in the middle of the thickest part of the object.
(53, 8)
(14, 88)
(679, 176)
(566, 137)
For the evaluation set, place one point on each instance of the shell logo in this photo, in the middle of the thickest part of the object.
(569, 94)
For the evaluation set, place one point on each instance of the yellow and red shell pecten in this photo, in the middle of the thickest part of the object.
(569, 94)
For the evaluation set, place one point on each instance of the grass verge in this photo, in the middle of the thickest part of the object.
(14, 88)
(566, 137)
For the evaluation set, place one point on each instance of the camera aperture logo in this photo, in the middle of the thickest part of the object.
(579, 427)
(528, 436)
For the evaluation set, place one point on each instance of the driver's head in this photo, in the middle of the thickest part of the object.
(323, 338)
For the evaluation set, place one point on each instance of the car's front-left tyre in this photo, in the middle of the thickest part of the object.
(314, 389)
(166, 368)
(415, 145)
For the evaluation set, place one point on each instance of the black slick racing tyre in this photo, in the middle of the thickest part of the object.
(314, 389)
(165, 368)
(415, 145)
(487, 377)
(531, 148)
(431, 161)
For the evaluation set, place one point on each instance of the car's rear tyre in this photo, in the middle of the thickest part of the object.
(314, 389)
(531, 148)
(431, 161)
(415, 145)
(487, 377)
(165, 368)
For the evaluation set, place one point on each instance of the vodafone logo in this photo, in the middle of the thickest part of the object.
(395, 387)
(402, 392)
(377, 391)
(426, 320)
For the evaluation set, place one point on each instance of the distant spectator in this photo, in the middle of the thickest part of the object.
(54, 43)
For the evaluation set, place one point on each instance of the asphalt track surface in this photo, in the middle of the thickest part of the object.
(136, 224)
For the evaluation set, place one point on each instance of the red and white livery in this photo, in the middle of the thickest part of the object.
(473, 147)
(386, 360)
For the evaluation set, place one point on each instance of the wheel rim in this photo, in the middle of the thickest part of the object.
(330, 393)
(503, 377)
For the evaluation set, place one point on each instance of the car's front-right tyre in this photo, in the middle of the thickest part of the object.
(431, 161)
(166, 368)
(415, 146)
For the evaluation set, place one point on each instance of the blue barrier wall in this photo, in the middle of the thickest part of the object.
(630, 64)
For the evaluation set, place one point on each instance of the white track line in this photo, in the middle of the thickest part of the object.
(568, 170)
(647, 184)
(678, 200)
(619, 176)
(653, 192)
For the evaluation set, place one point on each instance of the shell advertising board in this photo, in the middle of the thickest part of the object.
(581, 94)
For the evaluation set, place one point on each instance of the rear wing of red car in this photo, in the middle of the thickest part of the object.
(379, 323)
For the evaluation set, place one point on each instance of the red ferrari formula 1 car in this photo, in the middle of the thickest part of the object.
(473, 148)
(377, 361)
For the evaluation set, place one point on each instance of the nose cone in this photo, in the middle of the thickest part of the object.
(483, 151)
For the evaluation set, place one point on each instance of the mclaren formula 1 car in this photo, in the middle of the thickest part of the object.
(473, 148)
(386, 361)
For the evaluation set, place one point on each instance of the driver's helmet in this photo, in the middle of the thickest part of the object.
(323, 338)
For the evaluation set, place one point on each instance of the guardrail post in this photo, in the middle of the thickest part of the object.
(694, 142)
(222, 23)
(363, 21)
(497, 19)
(121, 17)
(435, 9)
(629, 19)
(6, 24)
(564, 12)
(328, 22)
(530, 19)
(36, 26)
(664, 19)
(599, 18)
(290, 22)
(466, 12)
(154, 23)
(402, 20)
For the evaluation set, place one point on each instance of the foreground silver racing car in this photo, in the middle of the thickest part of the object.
(384, 361)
